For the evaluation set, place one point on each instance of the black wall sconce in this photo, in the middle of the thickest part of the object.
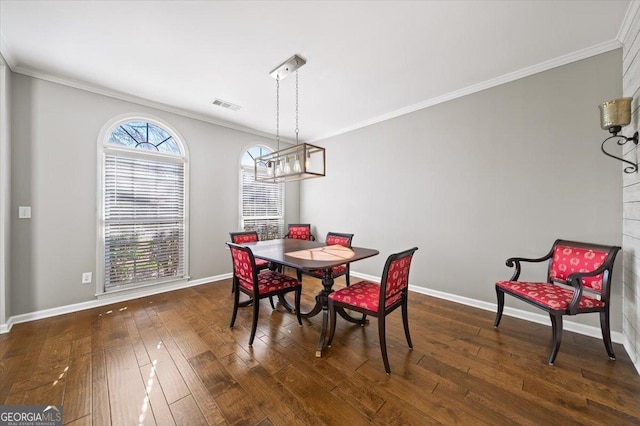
(614, 115)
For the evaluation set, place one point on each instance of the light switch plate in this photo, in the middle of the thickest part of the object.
(24, 212)
(86, 277)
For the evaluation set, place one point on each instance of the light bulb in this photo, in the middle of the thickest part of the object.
(270, 169)
(307, 161)
(296, 165)
(287, 166)
(278, 168)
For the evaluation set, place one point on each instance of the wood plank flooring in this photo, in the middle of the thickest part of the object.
(171, 359)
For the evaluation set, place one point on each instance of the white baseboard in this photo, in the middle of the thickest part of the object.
(575, 327)
(586, 330)
(67, 309)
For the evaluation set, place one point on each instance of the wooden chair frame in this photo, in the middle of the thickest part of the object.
(382, 311)
(573, 280)
(255, 295)
(234, 239)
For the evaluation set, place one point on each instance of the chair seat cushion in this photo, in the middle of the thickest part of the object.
(336, 271)
(270, 281)
(550, 295)
(364, 294)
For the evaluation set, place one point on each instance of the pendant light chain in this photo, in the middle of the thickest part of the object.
(278, 111)
(297, 129)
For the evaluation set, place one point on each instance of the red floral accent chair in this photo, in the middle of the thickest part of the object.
(245, 237)
(378, 300)
(300, 231)
(333, 238)
(578, 282)
(258, 285)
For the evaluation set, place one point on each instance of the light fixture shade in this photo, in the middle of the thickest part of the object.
(615, 114)
(305, 161)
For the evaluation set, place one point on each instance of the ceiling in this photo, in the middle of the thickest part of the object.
(366, 60)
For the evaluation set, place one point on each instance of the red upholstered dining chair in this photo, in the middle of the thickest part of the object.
(333, 238)
(299, 231)
(378, 300)
(578, 281)
(249, 237)
(258, 285)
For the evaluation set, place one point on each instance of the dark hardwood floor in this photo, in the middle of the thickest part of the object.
(172, 359)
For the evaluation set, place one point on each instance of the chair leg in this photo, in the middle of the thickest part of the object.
(332, 322)
(405, 321)
(500, 295)
(297, 304)
(606, 334)
(383, 342)
(347, 279)
(556, 325)
(236, 302)
(299, 275)
(273, 306)
(256, 311)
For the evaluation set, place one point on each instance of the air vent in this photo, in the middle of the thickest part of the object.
(225, 104)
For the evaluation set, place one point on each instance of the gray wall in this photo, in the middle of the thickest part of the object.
(54, 149)
(473, 181)
(631, 197)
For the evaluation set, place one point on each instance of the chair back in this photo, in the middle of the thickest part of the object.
(244, 266)
(243, 237)
(336, 238)
(570, 256)
(395, 276)
(299, 231)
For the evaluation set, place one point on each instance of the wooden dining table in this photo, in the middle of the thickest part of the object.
(308, 256)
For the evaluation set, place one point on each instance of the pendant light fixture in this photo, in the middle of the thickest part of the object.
(299, 161)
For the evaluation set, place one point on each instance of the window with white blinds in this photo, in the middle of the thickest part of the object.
(262, 208)
(143, 208)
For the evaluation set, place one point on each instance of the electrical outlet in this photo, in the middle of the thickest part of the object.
(86, 277)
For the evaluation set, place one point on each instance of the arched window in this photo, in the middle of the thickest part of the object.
(262, 204)
(143, 202)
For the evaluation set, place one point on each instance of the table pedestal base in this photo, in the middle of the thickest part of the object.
(322, 305)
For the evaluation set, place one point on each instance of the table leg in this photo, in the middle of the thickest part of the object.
(322, 305)
(312, 313)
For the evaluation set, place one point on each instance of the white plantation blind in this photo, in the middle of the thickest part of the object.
(144, 220)
(262, 206)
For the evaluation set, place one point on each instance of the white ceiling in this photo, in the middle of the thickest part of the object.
(366, 60)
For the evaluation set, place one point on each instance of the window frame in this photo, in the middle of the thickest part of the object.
(104, 148)
(241, 217)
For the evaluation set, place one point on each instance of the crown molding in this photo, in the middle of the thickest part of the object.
(634, 6)
(99, 90)
(516, 75)
(6, 52)
(627, 21)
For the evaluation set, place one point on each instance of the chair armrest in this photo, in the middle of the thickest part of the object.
(575, 280)
(517, 260)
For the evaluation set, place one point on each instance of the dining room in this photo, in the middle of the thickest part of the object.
(499, 163)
